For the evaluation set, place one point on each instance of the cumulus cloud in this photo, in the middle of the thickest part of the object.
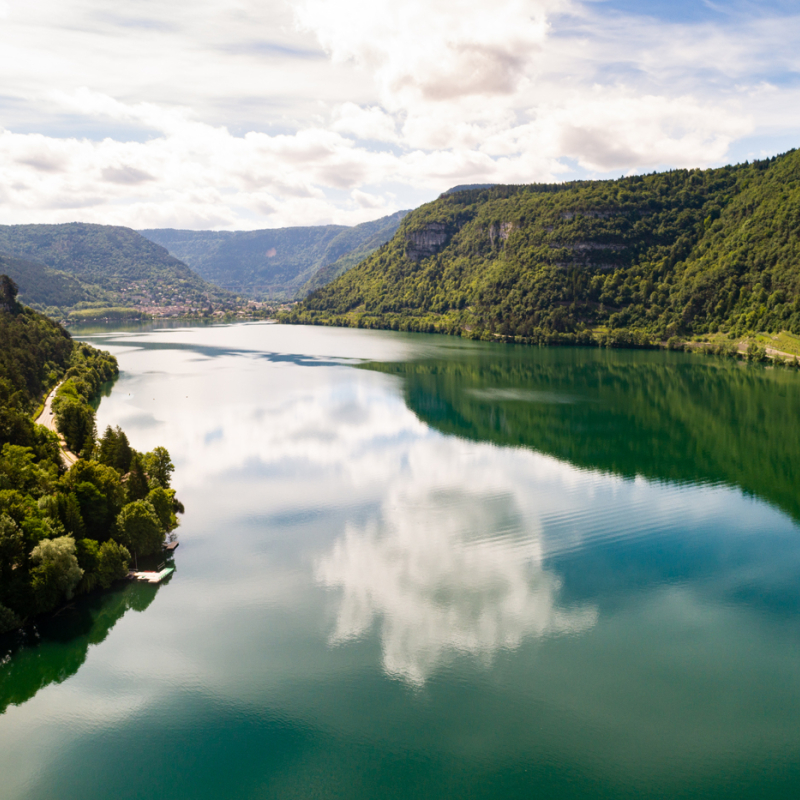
(266, 112)
(433, 50)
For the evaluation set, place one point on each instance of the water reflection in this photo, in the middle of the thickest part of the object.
(664, 416)
(531, 534)
(437, 572)
(56, 648)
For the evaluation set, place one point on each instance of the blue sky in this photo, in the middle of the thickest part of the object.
(265, 113)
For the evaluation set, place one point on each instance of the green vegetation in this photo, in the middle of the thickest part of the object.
(627, 262)
(280, 263)
(46, 288)
(67, 531)
(97, 271)
(88, 370)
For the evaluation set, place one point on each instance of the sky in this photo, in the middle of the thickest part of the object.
(248, 114)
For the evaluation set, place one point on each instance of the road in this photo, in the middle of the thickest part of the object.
(48, 419)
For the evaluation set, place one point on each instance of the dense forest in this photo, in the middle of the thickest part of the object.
(83, 268)
(279, 263)
(66, 531)
(630, 261)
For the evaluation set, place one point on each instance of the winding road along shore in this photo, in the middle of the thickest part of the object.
(47, 418)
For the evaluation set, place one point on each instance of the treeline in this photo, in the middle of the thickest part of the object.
(641, 259)
(67, 531)
(88, 370)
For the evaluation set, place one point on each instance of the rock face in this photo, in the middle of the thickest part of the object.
(427, 241)
(500, 231)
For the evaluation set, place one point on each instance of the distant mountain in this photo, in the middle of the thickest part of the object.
(62, 268)
(686, 252)
(278, 263)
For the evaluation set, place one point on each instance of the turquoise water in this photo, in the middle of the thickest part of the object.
(412, 566)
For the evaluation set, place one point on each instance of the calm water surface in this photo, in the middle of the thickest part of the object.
(412, 566)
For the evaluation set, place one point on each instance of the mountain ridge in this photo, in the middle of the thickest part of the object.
(644, 258)
(275, 263)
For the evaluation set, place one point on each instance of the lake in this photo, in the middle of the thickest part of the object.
(419, 567)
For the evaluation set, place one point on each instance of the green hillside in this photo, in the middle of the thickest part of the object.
(280, 263)
(683, 253)
(46, 289)
(78, 266)
(68, 521)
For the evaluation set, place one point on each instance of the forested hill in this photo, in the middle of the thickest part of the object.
(640, 258)
(43, 287)
(79, 266)
(280, 263)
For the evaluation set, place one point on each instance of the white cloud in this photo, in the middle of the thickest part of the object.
(253, 113)
(433, 50)
(365, 123)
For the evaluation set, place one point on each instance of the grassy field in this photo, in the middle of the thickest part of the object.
(783, 341)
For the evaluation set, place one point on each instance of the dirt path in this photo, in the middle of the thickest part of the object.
(47, 418)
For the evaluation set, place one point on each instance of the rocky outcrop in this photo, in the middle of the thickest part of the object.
(426, 241)
(500, 231)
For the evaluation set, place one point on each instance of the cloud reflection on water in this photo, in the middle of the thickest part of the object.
(444, 573)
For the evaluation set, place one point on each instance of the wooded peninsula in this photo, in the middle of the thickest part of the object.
(67, 530)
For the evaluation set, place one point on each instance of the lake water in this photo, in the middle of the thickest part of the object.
(419, 567)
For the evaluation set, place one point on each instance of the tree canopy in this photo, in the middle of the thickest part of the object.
(67, 531)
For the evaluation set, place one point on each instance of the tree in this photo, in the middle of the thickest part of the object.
(105, 479)
(70, 514)
(88, 551)
(94, 510)
(163, 502)
(75, 422)
(114, 450)
(112, 563)
(139, 528)
(57, 573)
(18, 465)
(12, 550)
(159, 467)
(136, 485)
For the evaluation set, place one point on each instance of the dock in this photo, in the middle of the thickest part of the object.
(151, 577)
